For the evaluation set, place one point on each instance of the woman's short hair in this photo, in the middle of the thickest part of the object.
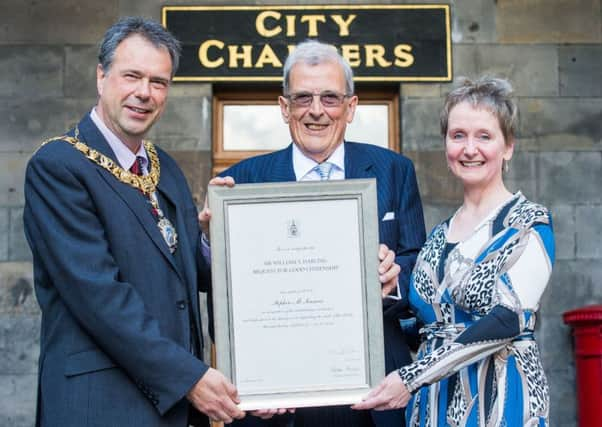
(491, 93)
(313, 52)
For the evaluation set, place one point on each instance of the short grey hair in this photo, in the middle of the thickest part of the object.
(314, 52)
(147, 28)
(494, 94)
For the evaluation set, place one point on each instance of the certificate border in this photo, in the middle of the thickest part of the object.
(361, 190)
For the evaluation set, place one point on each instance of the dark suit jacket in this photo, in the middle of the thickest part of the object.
(397, 192)
(117, 307)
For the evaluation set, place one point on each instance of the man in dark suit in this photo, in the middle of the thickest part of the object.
(317, 103)
(116, 252)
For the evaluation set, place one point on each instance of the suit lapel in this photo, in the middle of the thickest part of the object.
(360, 163)
(357, 165)
(131, 196)
(282, 166)
(168, 187)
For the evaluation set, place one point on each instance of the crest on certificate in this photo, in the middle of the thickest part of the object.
(293, 228)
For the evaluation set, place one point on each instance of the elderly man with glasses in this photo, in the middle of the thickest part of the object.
(318, 102)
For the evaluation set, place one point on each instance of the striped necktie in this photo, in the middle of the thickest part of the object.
(324, 169)
(136, 168)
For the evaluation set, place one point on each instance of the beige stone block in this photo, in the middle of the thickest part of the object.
(537, 76)
(18, 400)
(549, 21)
(56, 21)
(465, 62)
(12, 178)
(80, 71)
(436, 183)
(473, 21)
(565, 229)
(421, 90)
(569, 177)
(196, 166)
(31, 71)
(522, 173)
(18, 248)
(26, 123)
(574, 283)
(532, 70)
(561, 124)
(189, 90)
(580, 70)
(148, 9)
(435, 213)
(589, 230)
(420, 124)
(16, 289)
(19, 343)
(184, 125)
(563, 399)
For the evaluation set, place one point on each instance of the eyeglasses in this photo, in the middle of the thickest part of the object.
(327, 98)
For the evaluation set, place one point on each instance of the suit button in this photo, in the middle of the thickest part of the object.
(181, 304)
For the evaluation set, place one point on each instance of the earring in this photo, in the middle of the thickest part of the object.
(506, 162)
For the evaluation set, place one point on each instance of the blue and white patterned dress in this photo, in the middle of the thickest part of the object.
(479, 364)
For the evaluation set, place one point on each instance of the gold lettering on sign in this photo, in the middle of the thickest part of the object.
(245, 55)
(260, 23)
(204, 53)
(343, 23)
(215, 53)
(312, 23)
(403, 55)
(267, 56)
(290, 25)
(376, 53)
(351, 52)
(268, 23)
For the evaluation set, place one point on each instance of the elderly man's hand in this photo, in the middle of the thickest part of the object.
(205, 214)
(216, 397)
(388, 270)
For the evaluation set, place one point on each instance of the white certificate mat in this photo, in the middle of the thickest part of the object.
(292, 315)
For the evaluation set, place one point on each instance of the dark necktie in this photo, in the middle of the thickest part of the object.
(136, 168)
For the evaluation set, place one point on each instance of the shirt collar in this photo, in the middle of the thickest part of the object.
(303, 165)
(124, 156)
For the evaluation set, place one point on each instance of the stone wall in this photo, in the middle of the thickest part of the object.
(550, 49)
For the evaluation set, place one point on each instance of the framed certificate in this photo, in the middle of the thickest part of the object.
(297, 301)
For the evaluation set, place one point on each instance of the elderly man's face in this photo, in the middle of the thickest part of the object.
(133, 92)
(317, 129)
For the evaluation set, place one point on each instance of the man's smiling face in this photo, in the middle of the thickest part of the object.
(317, 129)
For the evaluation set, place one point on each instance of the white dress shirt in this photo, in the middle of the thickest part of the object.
(124, 155)
(304, 166)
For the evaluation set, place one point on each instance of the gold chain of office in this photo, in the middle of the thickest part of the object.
(147, 183)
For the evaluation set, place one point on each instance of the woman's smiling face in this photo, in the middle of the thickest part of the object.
(475, 146)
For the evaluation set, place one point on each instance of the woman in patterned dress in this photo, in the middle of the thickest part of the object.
(477, 284)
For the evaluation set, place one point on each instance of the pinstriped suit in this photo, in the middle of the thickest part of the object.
(397, 192)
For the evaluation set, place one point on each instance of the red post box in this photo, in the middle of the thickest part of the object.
(587, 330)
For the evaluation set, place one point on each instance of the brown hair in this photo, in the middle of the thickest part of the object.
(493, 94)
